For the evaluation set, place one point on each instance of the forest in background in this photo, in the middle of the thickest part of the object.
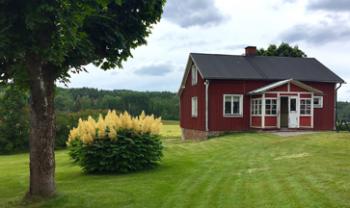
(163, 104)
(72, 104)
(343, 111)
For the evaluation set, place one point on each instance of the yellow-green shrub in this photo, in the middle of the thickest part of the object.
(116, 143)
(108, 127)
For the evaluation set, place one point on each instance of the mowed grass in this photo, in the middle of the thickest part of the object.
(238, 170)
(170, 130)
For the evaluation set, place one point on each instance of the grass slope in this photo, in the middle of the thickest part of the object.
(238, 170)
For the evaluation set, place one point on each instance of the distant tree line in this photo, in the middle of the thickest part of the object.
(343, 109)
(72, 104)
(164, 104)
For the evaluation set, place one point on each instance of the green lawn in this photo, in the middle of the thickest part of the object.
(238, 170)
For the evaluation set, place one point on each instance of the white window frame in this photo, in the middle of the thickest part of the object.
(320, 99)
(194, 75)
(300, 108)
(240, 114)
(194, 107)
(271, 107)
(255, 107)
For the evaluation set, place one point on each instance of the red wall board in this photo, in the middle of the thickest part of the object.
(270, 121)
(256, 121)
(294, 88)
(305, 121)
(273, 95)
(305, 95)
(280, 88)
(198, 90)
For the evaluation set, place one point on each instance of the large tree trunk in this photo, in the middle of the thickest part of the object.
(42, 130)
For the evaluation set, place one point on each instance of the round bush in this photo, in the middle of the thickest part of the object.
(116, 143)
(129, 152)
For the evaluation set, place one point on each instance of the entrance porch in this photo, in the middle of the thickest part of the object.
(287, 104)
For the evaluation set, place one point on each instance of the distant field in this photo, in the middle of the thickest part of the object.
(171, 130)
(239, 170)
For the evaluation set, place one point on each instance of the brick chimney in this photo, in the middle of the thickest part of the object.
(250, 50)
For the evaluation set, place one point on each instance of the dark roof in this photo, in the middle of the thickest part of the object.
(213, 66)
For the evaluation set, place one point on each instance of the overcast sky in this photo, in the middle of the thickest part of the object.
(321, 28)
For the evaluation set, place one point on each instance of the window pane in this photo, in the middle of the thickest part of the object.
(293, 104)
(256, 107)
(236, 107)
(305, 106)
(194, 75)
(194, 106)
(228, 107)
(274, 107)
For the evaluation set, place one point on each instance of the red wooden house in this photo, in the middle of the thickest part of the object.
(226, 93)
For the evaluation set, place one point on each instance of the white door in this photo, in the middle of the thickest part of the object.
(293, 117)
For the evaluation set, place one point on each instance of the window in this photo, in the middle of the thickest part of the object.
(293, 104)
(318, 102)
(194, 106)
(194, 75)
(305, 106)
(256, 107)
(270, 106)
(233, 105)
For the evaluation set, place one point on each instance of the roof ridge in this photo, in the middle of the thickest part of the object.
(243, 56)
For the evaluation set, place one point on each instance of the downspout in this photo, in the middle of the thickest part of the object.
(206, 83)
(336, 106)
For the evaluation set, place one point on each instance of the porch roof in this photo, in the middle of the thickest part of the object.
(283, 82)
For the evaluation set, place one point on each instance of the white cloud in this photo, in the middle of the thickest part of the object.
(192, 13)
(253, 22)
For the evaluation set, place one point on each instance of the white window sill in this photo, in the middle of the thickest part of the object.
(233, 116)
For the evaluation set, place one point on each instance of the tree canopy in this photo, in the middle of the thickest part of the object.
(284, 49)
(65, 35)
(43, 40)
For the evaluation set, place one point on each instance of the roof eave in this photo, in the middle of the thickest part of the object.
(266, 88)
